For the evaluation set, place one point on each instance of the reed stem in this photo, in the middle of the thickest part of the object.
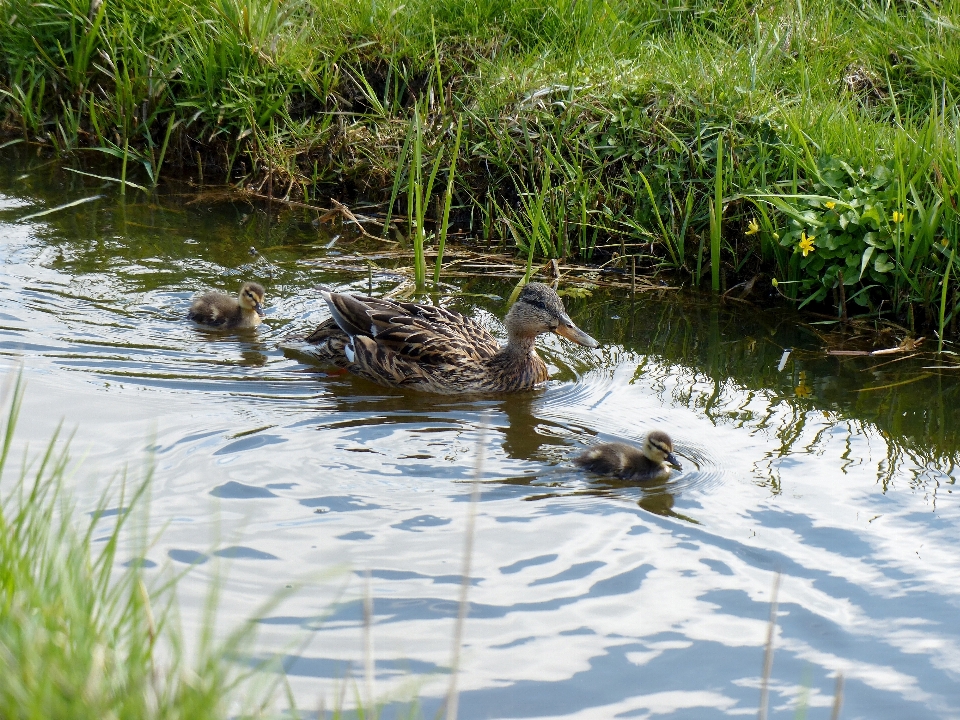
(447, 201)
(943, 299)
(768, 651)
(716, 218)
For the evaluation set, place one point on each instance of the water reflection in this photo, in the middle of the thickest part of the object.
(594, 599)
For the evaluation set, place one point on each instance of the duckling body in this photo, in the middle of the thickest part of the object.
(431, 349)
(627, 462)
(217, 310)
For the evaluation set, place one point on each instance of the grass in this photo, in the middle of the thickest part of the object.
(597, 130)
(80, 638)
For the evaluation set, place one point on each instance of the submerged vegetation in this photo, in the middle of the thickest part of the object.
(815, 142)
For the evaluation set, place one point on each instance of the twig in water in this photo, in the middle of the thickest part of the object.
(768, 652)
(552, 272)
(339, 210)
(452, 693)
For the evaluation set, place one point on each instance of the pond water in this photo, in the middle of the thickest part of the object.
(587, 598)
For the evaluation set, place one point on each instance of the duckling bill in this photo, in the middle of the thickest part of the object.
(217, 310)
(630, 463)
(432, 349)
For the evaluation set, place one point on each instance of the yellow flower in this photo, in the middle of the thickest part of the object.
(753, 227)
(776, 236)
(897, 216)
(806, 244)
(830, 204)
(803, 391)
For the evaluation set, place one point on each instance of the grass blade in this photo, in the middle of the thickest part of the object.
(58, 208)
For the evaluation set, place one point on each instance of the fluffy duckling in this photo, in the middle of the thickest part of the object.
(431, 349)
(216, 310)
(626, 462)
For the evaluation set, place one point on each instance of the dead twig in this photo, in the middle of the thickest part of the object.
(326, 214)
(906, 346)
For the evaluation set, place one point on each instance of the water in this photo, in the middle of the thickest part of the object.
(587, 598)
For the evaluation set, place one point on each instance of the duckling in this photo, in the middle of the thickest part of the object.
(431, 349)
(216, 310)
(626, 462)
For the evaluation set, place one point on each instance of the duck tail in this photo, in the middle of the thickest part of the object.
(349, 313)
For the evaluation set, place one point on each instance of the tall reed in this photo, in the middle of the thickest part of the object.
(447, 200)
(716, 218)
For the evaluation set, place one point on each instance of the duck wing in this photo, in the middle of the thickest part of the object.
(424, 334)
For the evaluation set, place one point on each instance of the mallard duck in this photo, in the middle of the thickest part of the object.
(428, 348)
(216, 310)
(627, 462)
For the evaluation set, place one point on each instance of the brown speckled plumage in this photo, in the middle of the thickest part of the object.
(216, 310)
(627, 462)
(429, 348)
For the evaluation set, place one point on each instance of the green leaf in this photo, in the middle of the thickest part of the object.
(882, 174)
(882, 264)
(866, 258)
(870, 212)
(849, 217)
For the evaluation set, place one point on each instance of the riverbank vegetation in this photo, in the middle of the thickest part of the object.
(816, 144)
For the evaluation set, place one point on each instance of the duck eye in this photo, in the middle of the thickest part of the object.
(539, 304)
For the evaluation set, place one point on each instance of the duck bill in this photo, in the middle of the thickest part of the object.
(673, 462)
(259, 308)
(571, 332)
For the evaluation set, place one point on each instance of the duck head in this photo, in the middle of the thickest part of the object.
(251, 298)
(658, 447)
(538, 309)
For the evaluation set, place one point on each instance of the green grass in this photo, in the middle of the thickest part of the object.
(80, 638)
(593, 130)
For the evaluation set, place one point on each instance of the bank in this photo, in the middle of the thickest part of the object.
(809, 147)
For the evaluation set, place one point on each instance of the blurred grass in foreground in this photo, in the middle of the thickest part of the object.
(78, 639)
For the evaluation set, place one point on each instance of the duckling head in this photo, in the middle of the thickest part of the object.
(538, 309)
(251, 298)
(658, 447)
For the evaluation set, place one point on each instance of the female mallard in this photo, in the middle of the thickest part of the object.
(629, 463)
(428, 348)
(217, 310)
